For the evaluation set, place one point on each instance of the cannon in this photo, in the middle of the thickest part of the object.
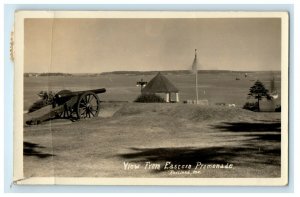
(71, 105)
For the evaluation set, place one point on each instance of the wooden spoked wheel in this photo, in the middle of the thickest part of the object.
(88, 105)
(67, 111)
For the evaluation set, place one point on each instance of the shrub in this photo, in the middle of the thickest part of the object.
(251, 106)
(278, 108)
(46, 99)
(37, 105)
(149, 98)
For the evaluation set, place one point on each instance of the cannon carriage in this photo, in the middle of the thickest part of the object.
(72, 105)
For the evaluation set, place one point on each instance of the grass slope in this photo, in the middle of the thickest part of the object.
(158, 133)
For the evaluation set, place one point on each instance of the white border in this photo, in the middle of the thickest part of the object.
(18, 99)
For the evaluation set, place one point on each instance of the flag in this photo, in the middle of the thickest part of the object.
(274, 93)
(195, 63)
(195, 71)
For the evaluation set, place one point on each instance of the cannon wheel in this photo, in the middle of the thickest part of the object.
(67, 112)
(88, 105)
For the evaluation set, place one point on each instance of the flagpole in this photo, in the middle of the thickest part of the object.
(196, 81)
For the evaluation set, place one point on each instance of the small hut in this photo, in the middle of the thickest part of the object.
(160, 84)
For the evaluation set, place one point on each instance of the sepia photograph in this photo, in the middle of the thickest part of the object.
(151, 98)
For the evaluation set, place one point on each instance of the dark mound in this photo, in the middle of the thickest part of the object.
(184, 111)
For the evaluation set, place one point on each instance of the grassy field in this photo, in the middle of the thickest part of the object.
(132, 134)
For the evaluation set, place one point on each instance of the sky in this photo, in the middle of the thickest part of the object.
(103, 45)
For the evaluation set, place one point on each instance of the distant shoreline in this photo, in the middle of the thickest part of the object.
(144, 72)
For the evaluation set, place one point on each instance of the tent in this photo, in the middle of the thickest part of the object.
(160, 84)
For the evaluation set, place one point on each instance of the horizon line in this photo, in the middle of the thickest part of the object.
(156, 71)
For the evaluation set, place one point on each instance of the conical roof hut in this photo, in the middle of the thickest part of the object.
(160, 84)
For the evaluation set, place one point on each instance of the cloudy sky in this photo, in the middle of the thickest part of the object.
(101, 45)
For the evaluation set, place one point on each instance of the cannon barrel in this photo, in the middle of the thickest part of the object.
(63, 94)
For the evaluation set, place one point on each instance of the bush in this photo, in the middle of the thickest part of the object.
(37, 105)
(278, 108)
(149, 98)
(251, 106)
(46, 99)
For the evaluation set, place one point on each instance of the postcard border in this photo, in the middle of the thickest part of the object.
(18, 98)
